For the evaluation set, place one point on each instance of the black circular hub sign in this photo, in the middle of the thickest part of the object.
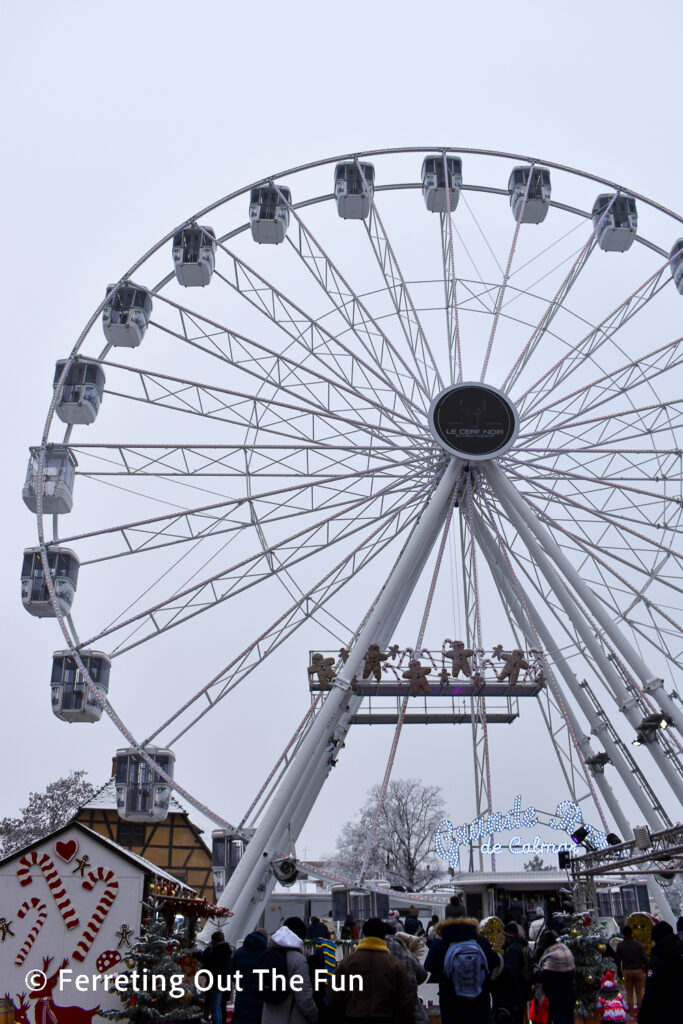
(475, 421)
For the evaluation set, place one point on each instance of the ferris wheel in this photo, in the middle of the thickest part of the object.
(312, 399)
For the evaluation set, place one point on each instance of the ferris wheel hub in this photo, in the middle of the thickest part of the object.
(474, 421)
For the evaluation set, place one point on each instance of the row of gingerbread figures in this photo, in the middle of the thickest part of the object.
(459, 656)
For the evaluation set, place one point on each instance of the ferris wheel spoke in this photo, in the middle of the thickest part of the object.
(189, 525)
(450, 283)
(629, 377)
(485, 240)
(244, 574)
(210, 401)
(617, 522)
(555, 304)
(183, 462)
(658, 417)
(589, 550)
(272, 368)
(572, 752)
(400, 296)
(600, 481)
(506, 276)
(395, 523)
(532, 573)
(307, 332)
(365, 328)
(577, 355)
(583, 603)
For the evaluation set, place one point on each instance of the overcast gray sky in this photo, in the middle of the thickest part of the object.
(120, 121)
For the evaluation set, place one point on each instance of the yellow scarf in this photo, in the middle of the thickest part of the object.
(373, 943)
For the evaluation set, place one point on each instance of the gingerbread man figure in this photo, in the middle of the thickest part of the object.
(373, 662)
(322, 667)
(459, 655)
(417, 676)
(514, 662)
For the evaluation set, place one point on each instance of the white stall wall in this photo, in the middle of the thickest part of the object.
(76, 902)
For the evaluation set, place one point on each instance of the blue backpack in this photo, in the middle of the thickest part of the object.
(466, 968)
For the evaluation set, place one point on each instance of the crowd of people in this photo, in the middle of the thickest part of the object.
(532, 981)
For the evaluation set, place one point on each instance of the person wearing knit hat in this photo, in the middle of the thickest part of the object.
(455, 909)
(663, 996)
(611, 1001)
(557, 965)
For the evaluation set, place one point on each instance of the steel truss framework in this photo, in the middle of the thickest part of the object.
(268, 449)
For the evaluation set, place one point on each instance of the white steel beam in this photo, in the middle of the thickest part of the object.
(651, 683)
(309, 767)
(520, 517)
(529, 621)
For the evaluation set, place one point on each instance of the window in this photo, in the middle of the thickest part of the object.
(130, 833)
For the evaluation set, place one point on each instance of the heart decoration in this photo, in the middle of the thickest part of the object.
(66, 851)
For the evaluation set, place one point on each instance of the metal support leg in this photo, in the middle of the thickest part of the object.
(519, 516)
(651, 683)
(309, 767)
(528, 623)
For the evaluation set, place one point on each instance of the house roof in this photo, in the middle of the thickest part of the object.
(145, 865)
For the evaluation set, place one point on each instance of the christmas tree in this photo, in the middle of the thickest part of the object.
(587, 943)
(157, 987)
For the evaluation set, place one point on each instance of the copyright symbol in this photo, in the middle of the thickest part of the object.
(35, 980)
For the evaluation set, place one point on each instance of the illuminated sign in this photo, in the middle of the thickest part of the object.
(568, 817)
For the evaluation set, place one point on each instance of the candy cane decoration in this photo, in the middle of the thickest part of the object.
(34, 904)
(100, 912)
(54, 883)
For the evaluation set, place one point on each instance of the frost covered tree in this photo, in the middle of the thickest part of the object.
(403, 851)
(45, 812)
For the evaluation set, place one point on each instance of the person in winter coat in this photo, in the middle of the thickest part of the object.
(512, 990)
(317, 930)
(663, 996)
(556, 974)
(457, 1009)
(248, 1005)
(217, 960)
(632, 964)
(430, 929)
(455, 909)
(398, 946)
(537, 925)
(297, 1007)
(385, 996)
(413, 925)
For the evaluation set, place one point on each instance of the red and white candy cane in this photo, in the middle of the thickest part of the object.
(100, 912)
(54, 883)
(33, 904)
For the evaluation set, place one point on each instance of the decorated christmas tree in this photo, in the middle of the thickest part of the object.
(158, 988)
(587, 943)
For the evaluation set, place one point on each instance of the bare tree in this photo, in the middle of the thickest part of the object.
(45, 812)
(403, 851)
